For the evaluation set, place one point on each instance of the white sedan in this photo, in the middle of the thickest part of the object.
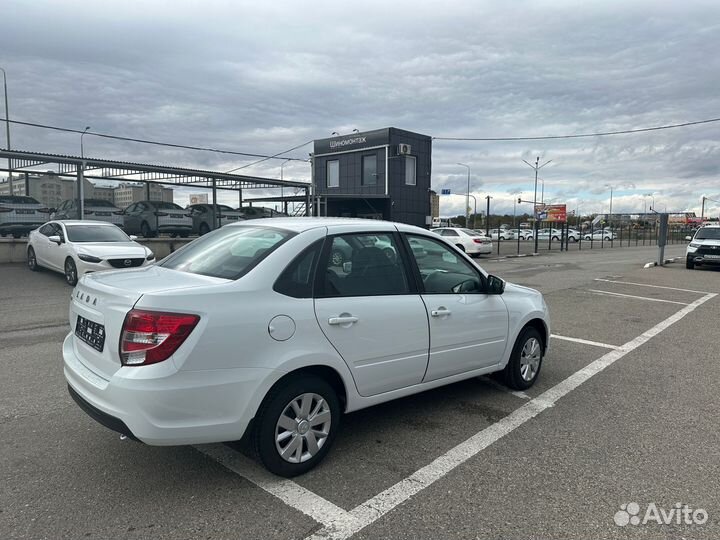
(470, 241)
(253, 321)
(78, 247)
(599, 235)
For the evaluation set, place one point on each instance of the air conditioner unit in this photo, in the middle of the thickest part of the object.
(404, 149)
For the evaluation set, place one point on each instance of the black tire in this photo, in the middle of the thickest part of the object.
(274, 405)
(337, 257)
(689, 264)
(203, 229)
(146, 231)
(461, 247)
(184, 234)
(555, 239)
(71, 276)
(32, 260)
(529, 237)
(512, 375)
(16, 236)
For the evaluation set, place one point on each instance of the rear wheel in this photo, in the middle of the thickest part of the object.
(32, 260)
(689, 263)
(460, 247)
(71, 272)
(145, 230)
(296, 425)
(523, 368)
(204, 228)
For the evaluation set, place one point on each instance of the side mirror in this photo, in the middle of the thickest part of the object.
(133, 237)
(55, 239)
(688, 238)
(495, 285)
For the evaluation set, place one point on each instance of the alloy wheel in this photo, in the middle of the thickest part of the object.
(530, 357)
(70, 272)
(302, 428)
(31, 261)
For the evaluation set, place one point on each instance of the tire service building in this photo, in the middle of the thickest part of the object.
(380, 174)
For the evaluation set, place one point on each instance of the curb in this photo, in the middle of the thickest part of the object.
(667, 261)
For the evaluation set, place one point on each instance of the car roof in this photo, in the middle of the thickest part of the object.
(84, 222)
(301, 224)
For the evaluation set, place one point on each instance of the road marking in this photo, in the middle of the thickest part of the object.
(608, 293)
(376, 507)
(654, 286)
(585, 341)
(505, 389)
(292, 494)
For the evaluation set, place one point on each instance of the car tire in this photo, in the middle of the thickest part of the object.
(337, 258)
(689, 263)
(184, 235)
(529, 237)
(204, 229)
(71, 276)
(275, 418)
(461, 247)
(524, 365)
(32, 260)
(145, 230)
(555, 239)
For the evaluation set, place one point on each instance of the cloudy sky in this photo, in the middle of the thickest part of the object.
(263, 77)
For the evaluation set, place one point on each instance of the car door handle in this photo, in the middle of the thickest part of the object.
(440, 312)
(343, 320)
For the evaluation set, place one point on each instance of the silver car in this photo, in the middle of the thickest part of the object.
(95, 209)
(19, 215)
(151, 218)
(203, 217)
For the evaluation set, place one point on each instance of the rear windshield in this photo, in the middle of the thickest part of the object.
(17, 199)
(166, 205)
(229, 252)
(708, 233)
(98, 202)
(95, 233)
(471, 232)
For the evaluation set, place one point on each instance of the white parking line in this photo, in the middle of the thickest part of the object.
(585, 341)
(608, 293)
(505, 389)
(376, 507)
(654, 286)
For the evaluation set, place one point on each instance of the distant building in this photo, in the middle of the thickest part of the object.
(434, 204)
(104, 194)
(49, 189)
(127, 194)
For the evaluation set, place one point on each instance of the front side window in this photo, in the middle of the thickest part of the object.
(333, 173)
(229, 252)
(47, 229)
(370, 265)
(369, 170)
(442, 270)
(410, 170)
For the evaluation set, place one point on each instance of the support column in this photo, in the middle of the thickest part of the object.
(81, 190)
(216, 214)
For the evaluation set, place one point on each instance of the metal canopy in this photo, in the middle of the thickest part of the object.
(104, 169)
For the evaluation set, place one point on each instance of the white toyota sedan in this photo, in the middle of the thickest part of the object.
(470, 241)
(253, 328)
(76, 248)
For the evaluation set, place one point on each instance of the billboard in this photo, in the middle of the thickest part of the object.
(199, 198)
(556, 213)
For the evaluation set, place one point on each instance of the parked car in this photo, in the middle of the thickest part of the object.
(573, 235)
(502, 234)
(525, 234)
(153, 352)
(545, 234)
(468, 240)
(76, 248)
(204, 220)
(151, 218)
(96, 209)
(342, 251)
(19, 215)
(257, 212)
(600, 235)
(704, 247)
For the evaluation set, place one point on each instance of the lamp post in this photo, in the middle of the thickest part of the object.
(7, 131)
(467, 196)
(537, 167)
(475, 212)
(282, 188)
(611, 201)
(487, 216)
(81, 177)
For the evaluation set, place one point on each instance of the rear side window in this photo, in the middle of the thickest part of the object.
(229, 252)
(297, 279)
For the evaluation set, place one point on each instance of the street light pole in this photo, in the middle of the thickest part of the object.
(467, 196)
(487, 216)
(81, 177)
(7, 131)
(537, 167)
(282, 188)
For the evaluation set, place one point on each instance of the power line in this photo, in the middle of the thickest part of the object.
(145, 141)
(274, 156)
(600, 134)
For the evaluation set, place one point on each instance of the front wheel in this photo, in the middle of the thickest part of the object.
(689, 264)
(523, 368)
(145, 230)
(71, 275)
(32, 260)
(296, 425)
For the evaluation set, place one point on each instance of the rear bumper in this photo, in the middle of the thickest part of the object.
(159, 405)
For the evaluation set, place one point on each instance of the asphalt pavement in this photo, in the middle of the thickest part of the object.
(625, 411)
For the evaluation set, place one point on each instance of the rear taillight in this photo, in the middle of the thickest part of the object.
(161, 214)
(3, 209)
(149, 337)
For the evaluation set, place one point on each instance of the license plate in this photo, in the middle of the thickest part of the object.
(711, 256)
(90, 332)
(231, 218)
(174, 216)
(24, 211)
(102, 213)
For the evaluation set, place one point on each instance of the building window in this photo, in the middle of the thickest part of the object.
(369, 170)
(332, 173)
(410, 166)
